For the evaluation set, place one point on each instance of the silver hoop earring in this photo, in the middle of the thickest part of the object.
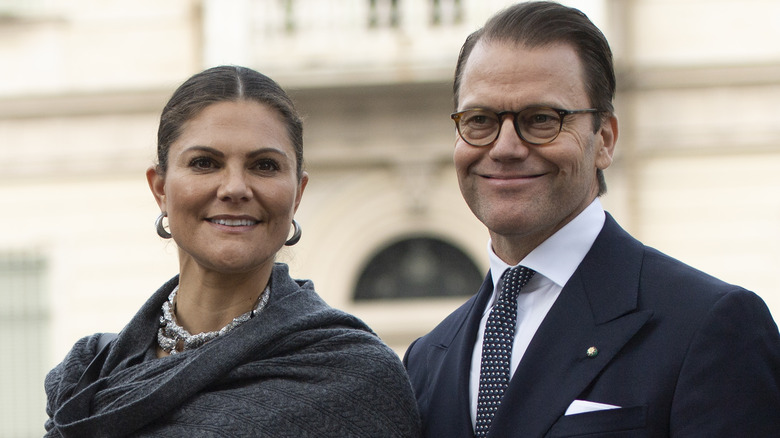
(296, 235)
(161, 231)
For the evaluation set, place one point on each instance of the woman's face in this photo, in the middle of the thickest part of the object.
(231, 188)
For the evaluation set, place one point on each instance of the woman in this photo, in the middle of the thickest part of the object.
(269, 357)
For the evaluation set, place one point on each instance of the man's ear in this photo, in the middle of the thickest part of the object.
(606, 140)
(157, 185)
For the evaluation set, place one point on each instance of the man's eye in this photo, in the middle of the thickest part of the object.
(479, 120)
(541, 119)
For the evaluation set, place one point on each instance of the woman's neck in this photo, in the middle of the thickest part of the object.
(208, 301)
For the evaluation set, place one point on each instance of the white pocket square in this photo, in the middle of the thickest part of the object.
(582, 406)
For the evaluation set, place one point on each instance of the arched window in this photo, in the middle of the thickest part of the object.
(418, 267)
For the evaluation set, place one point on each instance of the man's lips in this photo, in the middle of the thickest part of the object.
(506, 181)
(510, 177)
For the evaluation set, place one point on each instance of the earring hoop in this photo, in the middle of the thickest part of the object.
(296, 235)
(158, 225)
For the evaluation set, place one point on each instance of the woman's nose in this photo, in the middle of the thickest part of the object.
(234, 186)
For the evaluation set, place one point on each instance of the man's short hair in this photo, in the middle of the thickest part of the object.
(541, 23)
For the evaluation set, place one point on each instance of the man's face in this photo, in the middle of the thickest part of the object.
(521, 192)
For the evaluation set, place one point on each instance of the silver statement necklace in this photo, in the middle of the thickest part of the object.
(173, 338)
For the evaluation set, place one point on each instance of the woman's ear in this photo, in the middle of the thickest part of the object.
(301, 187)
(157, 185)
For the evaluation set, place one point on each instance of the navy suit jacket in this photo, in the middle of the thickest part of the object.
(682, 353)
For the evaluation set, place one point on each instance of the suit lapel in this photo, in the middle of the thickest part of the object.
(596, 308)
(451, 361)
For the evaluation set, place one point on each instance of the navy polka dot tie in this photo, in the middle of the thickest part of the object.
(497, 347)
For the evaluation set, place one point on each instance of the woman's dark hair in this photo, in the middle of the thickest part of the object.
(221, 84)
(541, 23)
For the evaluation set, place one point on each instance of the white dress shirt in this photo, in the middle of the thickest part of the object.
(554, 261)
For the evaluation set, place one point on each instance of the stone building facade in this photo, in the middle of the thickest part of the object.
(82, 82)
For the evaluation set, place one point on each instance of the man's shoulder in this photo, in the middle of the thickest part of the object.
(670, 284)
(441, 337)
(449, 326)
(655, 264)
(670, 269)
(663, 281)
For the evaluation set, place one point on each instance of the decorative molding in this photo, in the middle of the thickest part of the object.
(697, 76)
(83, 104)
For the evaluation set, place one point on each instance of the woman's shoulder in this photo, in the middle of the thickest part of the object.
(64, 377)
(81, 354)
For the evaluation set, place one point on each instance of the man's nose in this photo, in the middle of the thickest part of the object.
(508, 145)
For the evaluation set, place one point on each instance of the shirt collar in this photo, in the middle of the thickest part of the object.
(558, 257)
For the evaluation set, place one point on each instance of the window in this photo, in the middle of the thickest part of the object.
(10, 9)
(418, 267)
(446, 12)
(383, 13)
(24, 324)
(289, 16)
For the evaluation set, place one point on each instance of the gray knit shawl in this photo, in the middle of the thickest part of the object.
(298, 369)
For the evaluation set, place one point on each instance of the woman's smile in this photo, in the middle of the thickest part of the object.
(237, 222)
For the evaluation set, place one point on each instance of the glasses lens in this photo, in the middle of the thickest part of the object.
(538, 125)
(478, 127)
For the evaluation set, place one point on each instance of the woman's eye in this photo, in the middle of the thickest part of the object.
(266, 165)
(202, 163)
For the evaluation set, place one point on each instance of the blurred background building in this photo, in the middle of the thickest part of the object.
(82, 82)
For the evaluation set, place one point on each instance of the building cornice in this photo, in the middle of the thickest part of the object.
(697, 76)
(83, 104)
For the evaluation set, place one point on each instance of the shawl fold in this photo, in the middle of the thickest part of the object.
(298, 369)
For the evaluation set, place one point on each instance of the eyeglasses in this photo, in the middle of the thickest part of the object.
(536, 125)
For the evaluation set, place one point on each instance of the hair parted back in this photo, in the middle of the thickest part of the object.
(540, 23)
(225, 84)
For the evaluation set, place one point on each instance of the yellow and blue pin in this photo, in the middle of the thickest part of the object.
(592, 352)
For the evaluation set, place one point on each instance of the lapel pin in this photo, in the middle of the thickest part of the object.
(592, 352)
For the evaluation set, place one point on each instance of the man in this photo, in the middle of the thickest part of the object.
(609, 337)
